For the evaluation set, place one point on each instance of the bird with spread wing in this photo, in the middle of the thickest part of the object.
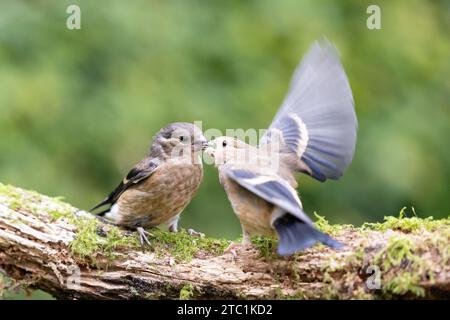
(314, 132)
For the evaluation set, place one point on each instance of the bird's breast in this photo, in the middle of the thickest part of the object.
(162, 196)
(254, 213)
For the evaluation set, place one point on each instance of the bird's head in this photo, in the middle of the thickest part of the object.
(229, 149)
(179, 139)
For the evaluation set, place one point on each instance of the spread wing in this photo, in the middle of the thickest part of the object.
(270, 188)
(317, 120)
(139, 173)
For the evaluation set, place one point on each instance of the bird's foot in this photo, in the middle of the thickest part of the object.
(232, 248)
(143, 237)
(194, 233)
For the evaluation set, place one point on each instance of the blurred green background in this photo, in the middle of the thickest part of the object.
(79, 107)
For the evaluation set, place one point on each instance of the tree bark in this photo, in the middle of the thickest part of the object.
(37, 235)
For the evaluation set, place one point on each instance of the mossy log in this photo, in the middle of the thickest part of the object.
(48, 244)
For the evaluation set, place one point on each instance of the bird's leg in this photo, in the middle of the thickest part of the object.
(233, 246)
(143, 236)
(245, 238)
(194, 233)
(173, 224)
(173, 227)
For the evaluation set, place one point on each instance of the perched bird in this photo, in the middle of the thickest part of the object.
(314, 132)
(161, 185)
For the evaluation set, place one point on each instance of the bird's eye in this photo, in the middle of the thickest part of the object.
(224, 143)
(181, 138)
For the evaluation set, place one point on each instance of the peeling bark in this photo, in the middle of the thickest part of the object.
(35, 251)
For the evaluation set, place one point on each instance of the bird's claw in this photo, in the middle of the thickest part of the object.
(194, 233)
(143, 237)
(232, 249)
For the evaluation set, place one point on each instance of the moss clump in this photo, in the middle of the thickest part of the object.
(405, 224)
(402, 263)
(405, 261)
(86, 241)
(115, 240)
(404, 283)
(12, 197)
(57, 214)
(440, 242)
(94, 238)
(398, 249)
(9, 191)
(187, 292)
(323, 225)
(183, 246)
(266, 246)
(402, 268)
(30, 201)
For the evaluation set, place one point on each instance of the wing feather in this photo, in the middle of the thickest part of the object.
(317, 119)
(139, 173)
(270, 188)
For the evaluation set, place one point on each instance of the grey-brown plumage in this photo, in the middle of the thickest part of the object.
(314, 132)
(162, 184)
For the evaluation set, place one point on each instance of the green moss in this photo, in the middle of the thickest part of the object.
(86, 242)
(9, 190)
(266, 246)
(57, 214)
(331, 290)
(187, 292)
(397, 250)
(183, 247)
(323, 225)
(404, 283)
(405, 224)
(33, 202)
(441, 242)
(89, 242)
(115, 239)
(13, 199)
(402, 268)
(14, 204)
(401, 264)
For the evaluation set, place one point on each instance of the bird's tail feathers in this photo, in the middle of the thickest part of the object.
(106, 201)
(296, 235)
(102, 213)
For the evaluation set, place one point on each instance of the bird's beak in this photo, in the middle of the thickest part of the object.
(210, 148)
(205, 144)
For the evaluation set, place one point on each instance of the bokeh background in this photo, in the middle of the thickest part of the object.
(79, 107)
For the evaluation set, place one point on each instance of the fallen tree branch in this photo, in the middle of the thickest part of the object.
(48, 244)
